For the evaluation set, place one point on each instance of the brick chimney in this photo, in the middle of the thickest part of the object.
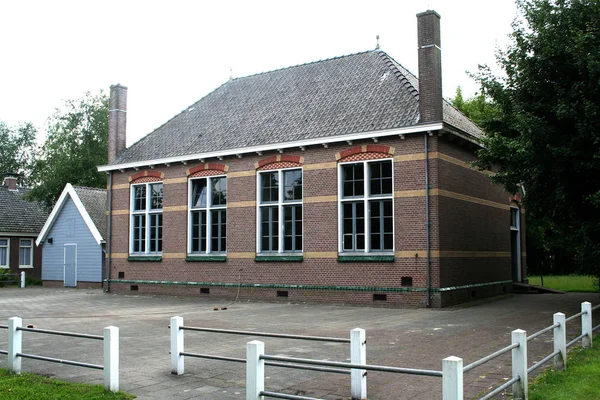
(117, 119)
(10, 180)
(430, 67)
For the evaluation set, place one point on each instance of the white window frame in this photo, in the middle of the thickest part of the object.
(280, 204)
(208, 208)
(365, 198)
(30, 265)
(7, 247)
(147, 212)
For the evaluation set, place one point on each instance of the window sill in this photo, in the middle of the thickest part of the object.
(25, 266)
(145, 258)
(284, 258)
(206, 258)
(366, 258)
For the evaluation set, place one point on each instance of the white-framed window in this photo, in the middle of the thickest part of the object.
(146, 218)
(207, 217)
(4, 252)
(366, 206)
(279, 219)
(26, 253)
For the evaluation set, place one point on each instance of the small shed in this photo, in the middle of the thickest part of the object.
(73, 238)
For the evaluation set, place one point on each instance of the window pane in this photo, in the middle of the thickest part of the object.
(155, 233)
(380, 179)
(198, 231)
(3, 256)
(217, 230)
(139, 201)
(353, 176)
(219, 191)
(156, 195)
(293, 184)
(274, 230)
(269, 229)
(3, 242)
(199, 193)
(270, 186)
(26, 243)
(139, 233)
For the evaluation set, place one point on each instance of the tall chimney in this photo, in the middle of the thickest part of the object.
(117, 119)
(430, 67)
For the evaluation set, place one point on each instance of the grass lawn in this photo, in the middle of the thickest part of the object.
(580, 380)
(566, 283)
(36, 387)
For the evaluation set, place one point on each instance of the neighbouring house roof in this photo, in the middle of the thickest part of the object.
(91, 204)
(358, 93)
(18, 215)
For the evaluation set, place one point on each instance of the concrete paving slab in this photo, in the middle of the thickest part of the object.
(415, 338)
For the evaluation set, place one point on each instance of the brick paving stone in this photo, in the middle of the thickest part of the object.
(415, 338)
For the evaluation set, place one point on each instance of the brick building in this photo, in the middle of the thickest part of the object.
(345, 179)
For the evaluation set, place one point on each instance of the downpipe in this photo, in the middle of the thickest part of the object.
(427, 221)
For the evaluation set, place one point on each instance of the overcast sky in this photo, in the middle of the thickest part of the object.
(171, 53)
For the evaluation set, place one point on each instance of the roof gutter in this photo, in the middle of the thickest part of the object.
(284, 145)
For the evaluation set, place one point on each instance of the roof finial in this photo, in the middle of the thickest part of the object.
(230, 73)
(377, 47)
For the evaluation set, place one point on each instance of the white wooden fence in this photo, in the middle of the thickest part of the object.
(110, 341)
(452, 367)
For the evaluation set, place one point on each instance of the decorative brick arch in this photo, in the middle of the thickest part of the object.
(280, 161)
(146, 176)
(207, 169)
(365, 152)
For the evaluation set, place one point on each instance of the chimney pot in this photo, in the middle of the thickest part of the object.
(430, 67)
(117, 120)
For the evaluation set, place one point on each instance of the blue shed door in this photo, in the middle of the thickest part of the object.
(71, 265)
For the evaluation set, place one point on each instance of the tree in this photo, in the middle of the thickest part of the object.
(76, 144)
(478, 108)
(545, 137)
(18, 149)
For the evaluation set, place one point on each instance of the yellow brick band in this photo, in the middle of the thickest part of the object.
(320, 199)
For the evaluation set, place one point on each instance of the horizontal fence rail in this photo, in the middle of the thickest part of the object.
(286, 396)
(501, 388)
(60, 361)
(61, 333)
(266, 334)
(490, 357)
(540, 333)
(380, 368)
(543, 361)
(110, 339)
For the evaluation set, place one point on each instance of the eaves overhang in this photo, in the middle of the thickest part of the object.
(413, 129)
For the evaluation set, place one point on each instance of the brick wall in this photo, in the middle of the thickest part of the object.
(324, 278)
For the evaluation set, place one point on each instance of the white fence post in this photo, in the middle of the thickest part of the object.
(22, 279)
(519, 364)
(111, 358)
(358, 355)
(452, 378)
(255, 370)
(560, 341)
(177, 366)
(586, 324)
(15, 344)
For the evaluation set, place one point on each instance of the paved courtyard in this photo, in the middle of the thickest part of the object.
(414, 338)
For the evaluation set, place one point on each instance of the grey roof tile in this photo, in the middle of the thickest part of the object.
(361, 92)
(94, 201)
(19, 215)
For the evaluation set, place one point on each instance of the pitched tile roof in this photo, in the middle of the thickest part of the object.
(362, 92)
(18, 215)
(94, 201)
